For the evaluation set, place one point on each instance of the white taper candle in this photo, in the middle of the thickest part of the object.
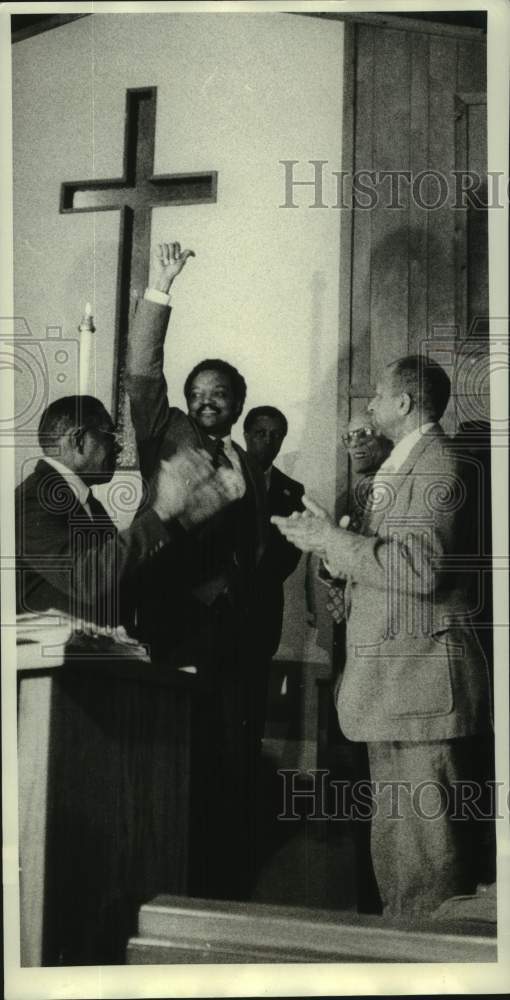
(86, 330)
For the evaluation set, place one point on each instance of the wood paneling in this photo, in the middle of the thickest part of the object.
(441, 226)
(389, 284)
(405, 261)
(418, 219)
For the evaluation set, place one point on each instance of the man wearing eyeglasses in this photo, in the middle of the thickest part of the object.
(367, 449)
(70, 556)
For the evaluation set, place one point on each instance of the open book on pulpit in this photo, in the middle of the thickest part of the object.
(48, 638)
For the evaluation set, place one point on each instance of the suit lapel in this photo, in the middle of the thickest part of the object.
(56, 495)
(255, 484)
(59, 498)
(395, 480)
(274, 491)
(433, 434)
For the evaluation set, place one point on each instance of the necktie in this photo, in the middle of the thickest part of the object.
(219, 456)
(98, 513)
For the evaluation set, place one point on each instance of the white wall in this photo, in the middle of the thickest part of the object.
(237, 93)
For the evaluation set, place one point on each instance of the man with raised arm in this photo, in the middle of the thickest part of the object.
(200, 615)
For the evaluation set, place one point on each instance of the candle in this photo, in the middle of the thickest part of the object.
(86, 330)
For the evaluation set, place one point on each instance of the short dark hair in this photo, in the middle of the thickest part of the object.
(235, 378)
(425, 381)
(265, 411)
(67, 413)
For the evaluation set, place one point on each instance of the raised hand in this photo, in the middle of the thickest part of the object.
(168, 262)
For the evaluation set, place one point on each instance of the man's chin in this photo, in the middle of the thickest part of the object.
(213, 426)
(265, 461)
(104, 477)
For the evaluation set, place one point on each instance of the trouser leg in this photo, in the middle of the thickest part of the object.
(420, 851)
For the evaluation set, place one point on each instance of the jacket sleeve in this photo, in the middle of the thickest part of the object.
(147, 388)
(145, 381)
(411, 553)
(281, 558)
(86, 567)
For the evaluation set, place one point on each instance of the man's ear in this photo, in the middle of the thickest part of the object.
(77, 439)
(406, 403)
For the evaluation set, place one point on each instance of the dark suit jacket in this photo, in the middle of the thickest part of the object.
(279, 559)
(414, 669)
(67, 561)
(225, 551)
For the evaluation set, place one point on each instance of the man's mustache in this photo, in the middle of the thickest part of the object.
(207, 406)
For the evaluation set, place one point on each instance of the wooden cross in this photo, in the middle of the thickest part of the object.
(134, 194)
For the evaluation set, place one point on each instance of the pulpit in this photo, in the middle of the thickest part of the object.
(104, 797)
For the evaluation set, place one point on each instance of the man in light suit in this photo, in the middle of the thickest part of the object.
(200, 615)
(415, 686)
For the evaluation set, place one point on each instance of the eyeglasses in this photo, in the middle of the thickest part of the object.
(357, 436)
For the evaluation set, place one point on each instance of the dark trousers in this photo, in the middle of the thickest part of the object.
(423, 845)
(225, 754)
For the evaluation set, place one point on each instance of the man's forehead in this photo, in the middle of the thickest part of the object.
(210, 376)
(263, 420)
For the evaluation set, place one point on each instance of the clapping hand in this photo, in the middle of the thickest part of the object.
(190, 489)
(178, 478)
(220, 489)
(310, 530)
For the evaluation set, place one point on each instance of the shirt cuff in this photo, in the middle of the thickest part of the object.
(154, 295)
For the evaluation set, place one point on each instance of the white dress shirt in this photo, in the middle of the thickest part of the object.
(79, 488)
(154, 295)
(381, 483)
(403, 448)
